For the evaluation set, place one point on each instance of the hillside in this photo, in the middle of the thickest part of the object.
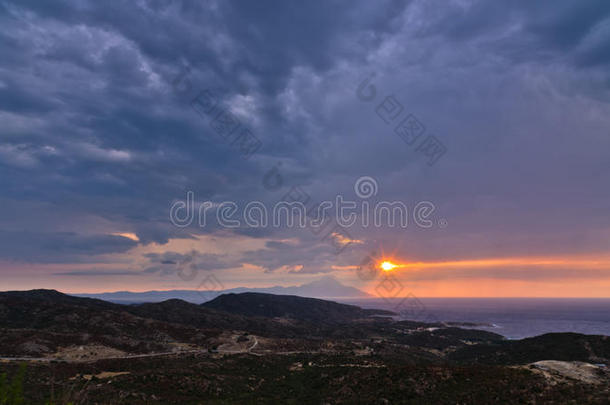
(40, 322)
(556, 346)
(264, 348)
(288, 306)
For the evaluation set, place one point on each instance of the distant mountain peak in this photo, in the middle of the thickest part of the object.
(329, 287)
(325, 287)
(325, 280)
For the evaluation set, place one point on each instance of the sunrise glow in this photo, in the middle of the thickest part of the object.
(387, 266)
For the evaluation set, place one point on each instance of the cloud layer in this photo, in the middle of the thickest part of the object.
(96, 141)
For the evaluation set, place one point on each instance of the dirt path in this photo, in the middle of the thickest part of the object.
(254, 345)
(132, 356)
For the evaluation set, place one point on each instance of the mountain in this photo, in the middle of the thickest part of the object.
(264, 348)
(326, 287)
(41, 322)
(42, 295)
(289, 306)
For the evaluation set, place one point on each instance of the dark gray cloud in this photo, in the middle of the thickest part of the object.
(189, 263)
(59, 247)
(94, 140)
(309, 256)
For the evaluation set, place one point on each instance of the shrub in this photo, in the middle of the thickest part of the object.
(12, 394)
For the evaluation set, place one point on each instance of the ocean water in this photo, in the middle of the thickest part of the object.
(514, 318)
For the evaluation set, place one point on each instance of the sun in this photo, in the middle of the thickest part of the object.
(387, 266)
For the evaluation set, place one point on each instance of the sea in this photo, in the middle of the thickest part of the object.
(514, 318)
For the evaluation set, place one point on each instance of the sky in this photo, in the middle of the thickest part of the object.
(104, 129)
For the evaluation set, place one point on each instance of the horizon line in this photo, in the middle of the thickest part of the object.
(220, 292)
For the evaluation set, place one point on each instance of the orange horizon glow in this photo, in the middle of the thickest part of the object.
(490, 288)
(485, 286)
(589, 263)
(482, 283)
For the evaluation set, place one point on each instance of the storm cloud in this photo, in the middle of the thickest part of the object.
(96, 141)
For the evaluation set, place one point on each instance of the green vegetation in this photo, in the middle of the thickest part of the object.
(12, 394)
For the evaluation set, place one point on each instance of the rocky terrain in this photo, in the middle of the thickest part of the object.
(263, 348)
